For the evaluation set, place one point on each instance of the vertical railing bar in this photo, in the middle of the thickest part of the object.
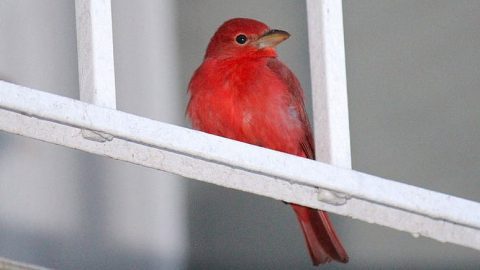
(95, 52)
(329, 84)
(95, 56)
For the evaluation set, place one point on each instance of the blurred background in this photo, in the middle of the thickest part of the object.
(413, 70)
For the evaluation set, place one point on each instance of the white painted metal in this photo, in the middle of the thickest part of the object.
(6, 264)
(329, 88)
(95, 57)
(237, 165)
(95, 52)
(329, 82)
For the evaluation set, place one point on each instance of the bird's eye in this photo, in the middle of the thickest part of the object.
(241, 39)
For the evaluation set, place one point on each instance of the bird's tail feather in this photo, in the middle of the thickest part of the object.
(322, 240)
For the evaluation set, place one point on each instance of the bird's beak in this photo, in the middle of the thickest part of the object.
(271, 38)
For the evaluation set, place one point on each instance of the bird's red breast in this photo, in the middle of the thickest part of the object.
(229, 99)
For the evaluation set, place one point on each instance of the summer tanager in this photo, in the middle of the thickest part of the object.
(243, 92)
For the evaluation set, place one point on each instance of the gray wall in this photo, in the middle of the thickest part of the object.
(413, 82)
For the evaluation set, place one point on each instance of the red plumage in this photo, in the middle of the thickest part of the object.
(243, 92)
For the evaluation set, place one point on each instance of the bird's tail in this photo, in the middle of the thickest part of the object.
(322, 240)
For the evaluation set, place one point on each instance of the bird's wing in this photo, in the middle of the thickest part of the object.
(296, 91)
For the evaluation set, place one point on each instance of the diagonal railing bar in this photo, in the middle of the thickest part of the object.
(241, 166)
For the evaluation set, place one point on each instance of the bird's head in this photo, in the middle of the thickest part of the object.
(241, 37)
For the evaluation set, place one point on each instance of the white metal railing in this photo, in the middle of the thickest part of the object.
(329, 82)
(228, 163)
(237, 165)
(6, 264)
(95, 52)
(96, 70)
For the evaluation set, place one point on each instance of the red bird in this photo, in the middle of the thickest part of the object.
(242, 91)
